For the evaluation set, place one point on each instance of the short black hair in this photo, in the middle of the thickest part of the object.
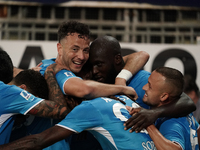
(34, 81)
(70, 27)
(174, 77)
(6, 67)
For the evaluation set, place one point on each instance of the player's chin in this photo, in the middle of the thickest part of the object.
(144, 99)
(76, 70)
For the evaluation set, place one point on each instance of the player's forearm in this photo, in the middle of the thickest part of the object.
(99, 89)
(135, 61)
(161, 143)
(49, 109)
(178, 108)
(26, 143)
(55, 93)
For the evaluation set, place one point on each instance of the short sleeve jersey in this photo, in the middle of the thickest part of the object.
(104, 118)
(137, 82)
(181, 130)
(13, 100)
(61, 77)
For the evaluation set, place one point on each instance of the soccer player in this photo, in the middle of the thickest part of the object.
(15, 100)
(163, 87)
(103, 117)
(73, 52)
(107, 64)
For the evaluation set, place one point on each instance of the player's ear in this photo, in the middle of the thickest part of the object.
(59, 48)
(23, 86)
(118, 59)
(164, 97)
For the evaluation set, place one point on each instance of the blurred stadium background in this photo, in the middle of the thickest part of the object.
(145, 21)
(169, 30)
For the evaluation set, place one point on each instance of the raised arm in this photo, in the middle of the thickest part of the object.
(137, 59)
(146, 117)
(39, 141)
(133, 63)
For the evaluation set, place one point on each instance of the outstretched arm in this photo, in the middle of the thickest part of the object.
(91, 89)
(146, 117)
(133, 63)
(39, 141)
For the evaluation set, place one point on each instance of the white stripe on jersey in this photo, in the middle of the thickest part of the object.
(5, 117)
(105, 133)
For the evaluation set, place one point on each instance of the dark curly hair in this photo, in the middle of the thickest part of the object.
(70, 27)
(34, 81)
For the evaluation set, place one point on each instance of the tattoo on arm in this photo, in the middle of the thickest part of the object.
(50, 109)
(56, 106)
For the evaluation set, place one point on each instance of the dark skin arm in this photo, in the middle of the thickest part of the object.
(142, 118)
(39, 141)
(57, 106)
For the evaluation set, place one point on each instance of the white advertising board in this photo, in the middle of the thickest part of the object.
(186, 58)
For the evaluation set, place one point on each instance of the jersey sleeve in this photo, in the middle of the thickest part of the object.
(173, 131)
(16, 100)
(82, 117)
(45, 64)
(62, 76)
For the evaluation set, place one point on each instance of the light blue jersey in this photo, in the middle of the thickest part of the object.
(13, 100)
(36, 124)
(104, 118)
(181, 130)
(137, 82)
(61, 77)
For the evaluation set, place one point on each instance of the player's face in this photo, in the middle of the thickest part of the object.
(154, 89)
(102, 66)
(74, 52)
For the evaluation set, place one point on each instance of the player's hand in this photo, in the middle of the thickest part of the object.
(55, 68)
(120, 81)
(37, 68)
(141, 119)
(127, 90)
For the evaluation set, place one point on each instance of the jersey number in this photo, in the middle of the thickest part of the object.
(117, 110)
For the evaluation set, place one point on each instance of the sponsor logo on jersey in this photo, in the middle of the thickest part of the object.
(68, 74)
(25, 95)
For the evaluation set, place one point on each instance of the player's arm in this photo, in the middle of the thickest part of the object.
(57, 106)
(39, 141)
(160, 141)
(146, 117)
(92, 89)
(133, 63)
